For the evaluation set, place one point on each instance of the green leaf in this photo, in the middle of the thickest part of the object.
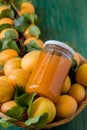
(22, 98)
(6, 123)
(72, 72)
(32, 18)
(15, 112)
(34, 30)
(10, 34)
(21, 23)
(1, 67)
(17, 4)
(0, 45)
(8, 43)
(74, 66)
(32, 45)
(7, 13)
(19, 91)
(38, 121)
(30, 101)
(43, 120)
(3, 26)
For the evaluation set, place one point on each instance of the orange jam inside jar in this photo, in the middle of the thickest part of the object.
(51, 70)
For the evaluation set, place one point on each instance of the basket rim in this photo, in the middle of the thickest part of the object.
(81, 106)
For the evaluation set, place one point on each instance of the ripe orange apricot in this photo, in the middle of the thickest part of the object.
(6, 21)
(29, 60)
(18, 77)
(4, 78)
(4, 32)
(28, 33)
(65, 106)
(4, 7)
(43, 105)
(66, 85)
(7, 106)
(37, 41)
(78, 92)
(11, 64)
(6, 55)
(81, 75)
(27, 8)
(6, 91)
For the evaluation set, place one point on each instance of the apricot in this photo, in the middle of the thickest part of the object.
(65, 106)
(6, 21)
(81, 75)
(26, 8)
(34, 39)
(6, 55)
(4, 78)
(80, 59)
(66, 85)
(4, 33)
(27, 34)
(3, 7)
(31, 31)
(1, 70)
(6, 91)
(29, 60)
(78, 92)
(11, 64)
(7, 106)
(43, 105)
(18, 77)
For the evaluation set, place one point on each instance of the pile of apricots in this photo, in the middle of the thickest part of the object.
(17, 62)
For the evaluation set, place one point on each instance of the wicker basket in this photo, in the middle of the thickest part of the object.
(58, 122)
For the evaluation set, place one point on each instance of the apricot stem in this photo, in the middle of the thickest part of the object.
(15, 8)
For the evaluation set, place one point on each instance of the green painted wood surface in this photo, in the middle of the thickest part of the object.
(64, 20)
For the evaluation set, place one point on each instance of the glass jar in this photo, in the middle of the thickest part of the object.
(51, 70)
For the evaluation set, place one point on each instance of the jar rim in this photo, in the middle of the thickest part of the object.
(61, 44)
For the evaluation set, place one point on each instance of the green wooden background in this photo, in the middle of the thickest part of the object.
(64, 20)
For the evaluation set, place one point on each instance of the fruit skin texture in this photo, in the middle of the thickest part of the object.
(6, 55)
(4, 7)
(29, 60)
(66, 85)
(4, 77)
(81, 75)
(2, 34)
(65, 106)
(43, 105)
(6, 21)
(26, 8)
(37, 41)
(11, 64)
(18, 77)
(78, 92)
(7, 106)
(6, 91)
(27, 34)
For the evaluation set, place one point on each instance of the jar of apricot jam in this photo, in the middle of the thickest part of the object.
(51, 70)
